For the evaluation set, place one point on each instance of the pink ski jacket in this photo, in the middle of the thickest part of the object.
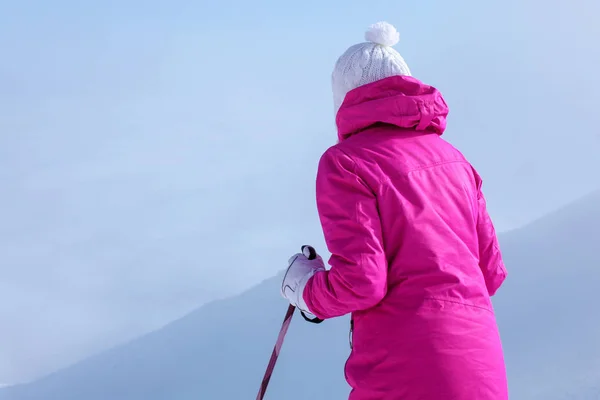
(414, 254)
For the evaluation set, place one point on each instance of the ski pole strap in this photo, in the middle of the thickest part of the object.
(314, 320)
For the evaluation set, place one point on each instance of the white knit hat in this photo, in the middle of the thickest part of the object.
(368, 62)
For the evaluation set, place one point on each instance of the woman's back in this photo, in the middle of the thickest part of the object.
(427, 196)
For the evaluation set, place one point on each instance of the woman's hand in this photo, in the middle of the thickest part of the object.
(300, 270)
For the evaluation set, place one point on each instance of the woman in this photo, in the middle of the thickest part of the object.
(414, 254)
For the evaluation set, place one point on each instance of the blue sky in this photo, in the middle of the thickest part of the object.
(156, 155)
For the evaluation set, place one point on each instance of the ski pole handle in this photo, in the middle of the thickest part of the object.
(311, 254)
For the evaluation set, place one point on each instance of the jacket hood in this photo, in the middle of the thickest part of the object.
(403, 101)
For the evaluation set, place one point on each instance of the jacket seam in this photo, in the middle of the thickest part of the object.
(382, 180)
(355, 168)
(436, 164)
(459, 303)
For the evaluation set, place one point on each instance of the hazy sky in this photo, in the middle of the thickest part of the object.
(156, 155)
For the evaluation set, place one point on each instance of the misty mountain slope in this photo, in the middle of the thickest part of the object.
(547, 313)
(547, 309)
(220, 350)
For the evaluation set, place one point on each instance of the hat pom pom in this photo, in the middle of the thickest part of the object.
(382, 33)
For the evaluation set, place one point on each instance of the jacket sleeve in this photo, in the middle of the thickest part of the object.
(490, 257)
(349, 216)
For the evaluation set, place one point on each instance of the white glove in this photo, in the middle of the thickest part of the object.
(300, 270)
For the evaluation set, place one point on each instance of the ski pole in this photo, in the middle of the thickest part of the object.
(311, 254)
